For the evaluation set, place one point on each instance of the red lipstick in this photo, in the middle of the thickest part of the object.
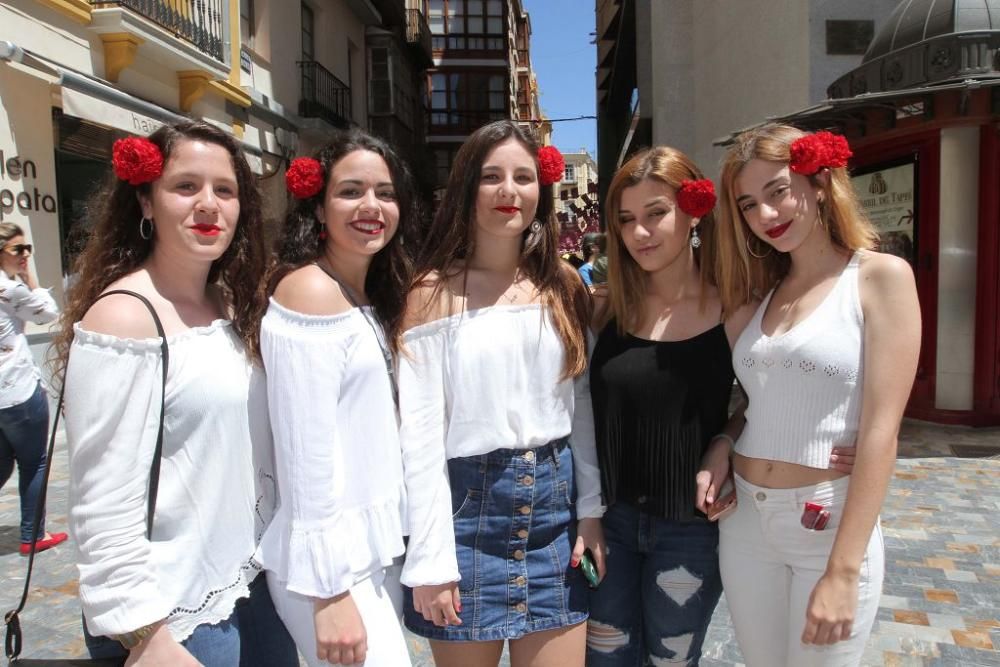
(778, 230)
(206, 230)
(509, 210)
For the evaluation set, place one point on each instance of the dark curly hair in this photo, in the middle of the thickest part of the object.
(391, 269)
(115, 247)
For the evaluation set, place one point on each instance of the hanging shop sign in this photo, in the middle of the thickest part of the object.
(17, 189)
(887, 195)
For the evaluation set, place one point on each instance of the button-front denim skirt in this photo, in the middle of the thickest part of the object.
(515, 525)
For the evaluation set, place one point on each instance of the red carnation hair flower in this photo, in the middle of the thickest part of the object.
(305, 177)
(696, 198)
(551, 165)
(137, 160)
(813, 152)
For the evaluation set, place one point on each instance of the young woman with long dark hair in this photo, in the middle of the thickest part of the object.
(493, 347)
(341, 276)
(180, 226)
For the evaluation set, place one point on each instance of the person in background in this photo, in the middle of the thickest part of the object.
(593, 248)
(24, 405)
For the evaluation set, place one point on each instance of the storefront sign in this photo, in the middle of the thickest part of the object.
(15, 190)
(887, 196)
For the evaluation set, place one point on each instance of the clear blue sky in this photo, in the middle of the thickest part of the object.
(564, 60)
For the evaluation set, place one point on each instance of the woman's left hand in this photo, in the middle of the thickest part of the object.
(712, 475)
(832, 605)
(590, 535)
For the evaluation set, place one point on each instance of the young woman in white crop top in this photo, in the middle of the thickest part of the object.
(342, 271)
(828, 359)
(493, 344)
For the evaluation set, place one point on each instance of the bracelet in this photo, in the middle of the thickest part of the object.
(724, 436)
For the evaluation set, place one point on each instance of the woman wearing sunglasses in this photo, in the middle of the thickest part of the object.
(24, 408)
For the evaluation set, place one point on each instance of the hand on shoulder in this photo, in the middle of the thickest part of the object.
(310, 291)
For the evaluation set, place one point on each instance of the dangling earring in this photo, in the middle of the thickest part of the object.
(750, 250)
(695, 239)
(535, 226)
(322, 235)
(146, 228)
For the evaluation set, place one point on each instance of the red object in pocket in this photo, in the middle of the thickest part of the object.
(814, 517)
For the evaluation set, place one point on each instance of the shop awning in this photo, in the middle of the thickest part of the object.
(827, 111)
(90, 98)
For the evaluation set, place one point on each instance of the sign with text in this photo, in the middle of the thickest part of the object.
(887, 196)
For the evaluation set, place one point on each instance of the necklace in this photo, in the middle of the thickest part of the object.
(377, 330)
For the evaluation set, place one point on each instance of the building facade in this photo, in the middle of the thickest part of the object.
(75, 75)
(684, 72)
(575, 198)
(482, 73)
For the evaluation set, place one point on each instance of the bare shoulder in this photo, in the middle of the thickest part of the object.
(432, 297)
(882, 275)
(738, 321)
(310, 291)
(121, 315)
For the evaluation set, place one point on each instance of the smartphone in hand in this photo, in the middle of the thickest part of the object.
(725, 502)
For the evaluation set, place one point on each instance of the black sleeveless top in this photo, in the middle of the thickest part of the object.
(656, 407)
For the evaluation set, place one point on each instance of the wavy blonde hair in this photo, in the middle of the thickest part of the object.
(626, 279)
(742, 278)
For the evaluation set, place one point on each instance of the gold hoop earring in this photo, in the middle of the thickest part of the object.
(770, 249)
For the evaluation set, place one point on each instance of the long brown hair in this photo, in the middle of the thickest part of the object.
(116, 248)
(626, 279)
(451, 239)
(391, 269)
(742, 278)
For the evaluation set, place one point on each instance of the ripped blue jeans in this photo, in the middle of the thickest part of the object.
(662, 584)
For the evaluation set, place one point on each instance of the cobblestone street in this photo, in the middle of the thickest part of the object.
(940, 603)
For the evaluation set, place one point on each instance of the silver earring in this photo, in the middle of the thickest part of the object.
(146, 228)
(535, 226)
(695, 239)
(750, 250)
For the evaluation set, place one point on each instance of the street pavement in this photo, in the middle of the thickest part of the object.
(940, 603)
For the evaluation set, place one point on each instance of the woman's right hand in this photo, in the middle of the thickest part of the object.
(160, 650)
(438, 604)
(341, 638)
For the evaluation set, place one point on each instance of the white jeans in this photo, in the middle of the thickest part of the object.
(770, 564)
(379, 599)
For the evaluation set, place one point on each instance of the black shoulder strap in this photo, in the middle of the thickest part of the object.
(13, 639)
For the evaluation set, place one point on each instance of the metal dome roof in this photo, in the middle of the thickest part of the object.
(925, 42)
(913, 21)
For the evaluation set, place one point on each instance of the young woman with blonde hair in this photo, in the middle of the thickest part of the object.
(828, 359)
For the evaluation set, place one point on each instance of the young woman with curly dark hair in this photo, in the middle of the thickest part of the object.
(181, 226)
(341, 276)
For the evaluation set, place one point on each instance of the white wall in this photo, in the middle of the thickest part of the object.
(956, 316)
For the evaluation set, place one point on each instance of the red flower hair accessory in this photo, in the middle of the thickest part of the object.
(136, 160)
(551, 165)
(305, 177)
(813, 152)
(696, 198)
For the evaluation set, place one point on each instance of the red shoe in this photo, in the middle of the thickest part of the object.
(47, 543)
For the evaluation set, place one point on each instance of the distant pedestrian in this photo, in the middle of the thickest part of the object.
(24, 405)
(593, 249)
(828, 359)
(181, 226)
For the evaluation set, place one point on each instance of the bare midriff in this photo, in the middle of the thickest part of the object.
(779, 474)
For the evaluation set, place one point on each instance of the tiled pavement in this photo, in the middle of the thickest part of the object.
(940, 603)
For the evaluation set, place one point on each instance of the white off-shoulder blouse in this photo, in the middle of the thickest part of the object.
(216, 490)
(340, 473)
(472, 383)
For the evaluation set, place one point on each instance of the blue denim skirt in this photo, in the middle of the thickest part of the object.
(515, 525)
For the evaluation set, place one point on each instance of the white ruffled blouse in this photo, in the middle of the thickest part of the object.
(340, 471)
(216, 491)
(472, 383)
(18, 374)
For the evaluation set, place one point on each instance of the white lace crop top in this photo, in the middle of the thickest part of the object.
(804, 385)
